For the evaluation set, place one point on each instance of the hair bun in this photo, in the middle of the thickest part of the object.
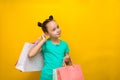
(39, 24)
(51, 17)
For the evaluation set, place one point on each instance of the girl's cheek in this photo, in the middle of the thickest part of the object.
(59, 30)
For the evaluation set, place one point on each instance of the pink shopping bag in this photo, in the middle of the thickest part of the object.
(72, 72)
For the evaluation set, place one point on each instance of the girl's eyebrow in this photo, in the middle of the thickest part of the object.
(55, 27)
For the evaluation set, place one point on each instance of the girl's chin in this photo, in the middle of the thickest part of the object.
(58, 36)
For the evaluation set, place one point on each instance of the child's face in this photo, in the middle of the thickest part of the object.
(53, 29)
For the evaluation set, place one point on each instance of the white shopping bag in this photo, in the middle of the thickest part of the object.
(55, 75)
(26, 64)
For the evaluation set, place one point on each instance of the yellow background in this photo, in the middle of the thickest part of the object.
(91, 28)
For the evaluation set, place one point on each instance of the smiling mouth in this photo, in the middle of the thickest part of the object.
(58, 33)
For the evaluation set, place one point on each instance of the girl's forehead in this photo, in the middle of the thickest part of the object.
(51, 24)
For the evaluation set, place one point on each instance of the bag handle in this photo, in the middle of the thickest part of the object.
(37, 41)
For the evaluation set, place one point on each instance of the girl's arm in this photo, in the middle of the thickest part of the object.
(67, 56)
(37, 48)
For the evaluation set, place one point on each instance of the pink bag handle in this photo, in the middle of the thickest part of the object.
(37, 41)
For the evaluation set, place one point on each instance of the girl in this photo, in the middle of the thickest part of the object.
(54, 50)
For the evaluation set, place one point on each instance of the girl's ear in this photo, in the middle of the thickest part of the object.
(51, 17)
(46, 33)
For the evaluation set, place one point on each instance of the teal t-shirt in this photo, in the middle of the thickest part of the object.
(53, 57)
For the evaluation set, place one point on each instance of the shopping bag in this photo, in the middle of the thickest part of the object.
(71, 72)
(26, 64)
(54, 74)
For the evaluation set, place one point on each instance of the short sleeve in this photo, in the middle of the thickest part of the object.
(67, 50)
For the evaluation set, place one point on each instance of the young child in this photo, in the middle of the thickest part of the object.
(54, 50)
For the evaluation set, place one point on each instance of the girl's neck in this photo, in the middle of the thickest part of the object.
(55, 40)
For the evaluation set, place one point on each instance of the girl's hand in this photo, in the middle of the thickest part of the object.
(66, 59)
(43, 37)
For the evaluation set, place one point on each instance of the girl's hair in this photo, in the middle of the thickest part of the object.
(43, 25)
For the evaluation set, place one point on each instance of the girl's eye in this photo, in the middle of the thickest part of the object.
(54, 29)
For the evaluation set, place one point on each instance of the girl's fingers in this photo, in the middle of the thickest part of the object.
(63, 64)
(43, 36)
(39, 38)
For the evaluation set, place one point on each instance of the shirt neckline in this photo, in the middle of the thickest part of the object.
(54, 43)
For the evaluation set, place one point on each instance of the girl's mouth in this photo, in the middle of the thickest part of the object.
(58, 34)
